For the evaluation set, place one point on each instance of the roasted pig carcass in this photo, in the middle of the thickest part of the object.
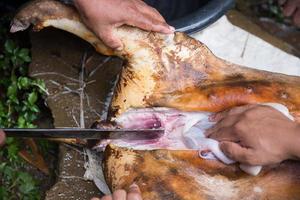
(178, 72)
(172, 175)
(173, 71)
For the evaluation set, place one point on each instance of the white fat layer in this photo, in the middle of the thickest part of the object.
(226, 188)
(183, 131)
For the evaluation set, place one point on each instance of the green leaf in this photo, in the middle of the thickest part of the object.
(30, 116)
(35, 108)
(12, 91)
(23, 70)
(9, 140)
(21, 122)
(9, 46)
(24, 82)
(4, 63)
(41, 86)
(2, 166)
(12, 151)
(24, 177)
(30, 125)
(26, 182)
(32, 98)
(3, 193)
(24, 54)
(8, 173)
(2, 109)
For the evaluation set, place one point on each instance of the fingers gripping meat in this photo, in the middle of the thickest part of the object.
(177, 71)
(174, 70)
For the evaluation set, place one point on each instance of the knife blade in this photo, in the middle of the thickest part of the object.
(80, 133)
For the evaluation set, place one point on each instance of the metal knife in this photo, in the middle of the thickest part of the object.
(80, 133)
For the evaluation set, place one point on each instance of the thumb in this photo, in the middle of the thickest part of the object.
(107, 36)
(296, 18)
(234, 151)
(134, 193)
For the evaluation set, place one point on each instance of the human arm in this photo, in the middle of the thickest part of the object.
(291, 8)
(256, 135)
(133, 193)
(102, 16)
(2, 137)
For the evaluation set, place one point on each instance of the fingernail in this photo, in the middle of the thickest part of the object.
(119, 48)
(132, 186)
(172, 28)
(95, 198)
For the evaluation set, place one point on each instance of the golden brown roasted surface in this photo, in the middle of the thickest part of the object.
(180, 72)
(172, 175)
(174, 71)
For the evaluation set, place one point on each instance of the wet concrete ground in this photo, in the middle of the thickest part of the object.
(283, 31)
(79, 82)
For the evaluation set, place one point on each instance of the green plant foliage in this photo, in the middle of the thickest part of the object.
(19, 97)
(274, 10)
(18, 103)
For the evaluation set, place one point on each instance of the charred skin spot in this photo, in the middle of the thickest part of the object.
(245, 84)
(173, 171)
(160, 155)
(113, 111)
(235, 77)
(166, 192)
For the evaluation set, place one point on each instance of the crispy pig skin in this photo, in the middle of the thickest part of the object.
(172, 175)
(173, 71)
(179, 72)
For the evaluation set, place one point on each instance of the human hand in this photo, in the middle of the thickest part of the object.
(291, 8)
(134, 193)
(2, 137)
(256, 135)
(102, 16)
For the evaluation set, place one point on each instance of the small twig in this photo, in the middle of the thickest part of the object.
(65, 87)
(67, 90)
(41, 88)
(90, 82)
(245, 46)
(74, 118)
(89, 105)
(99, 66)
(101, 102)
(54, 73)
(81, 89)
(71, 177)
